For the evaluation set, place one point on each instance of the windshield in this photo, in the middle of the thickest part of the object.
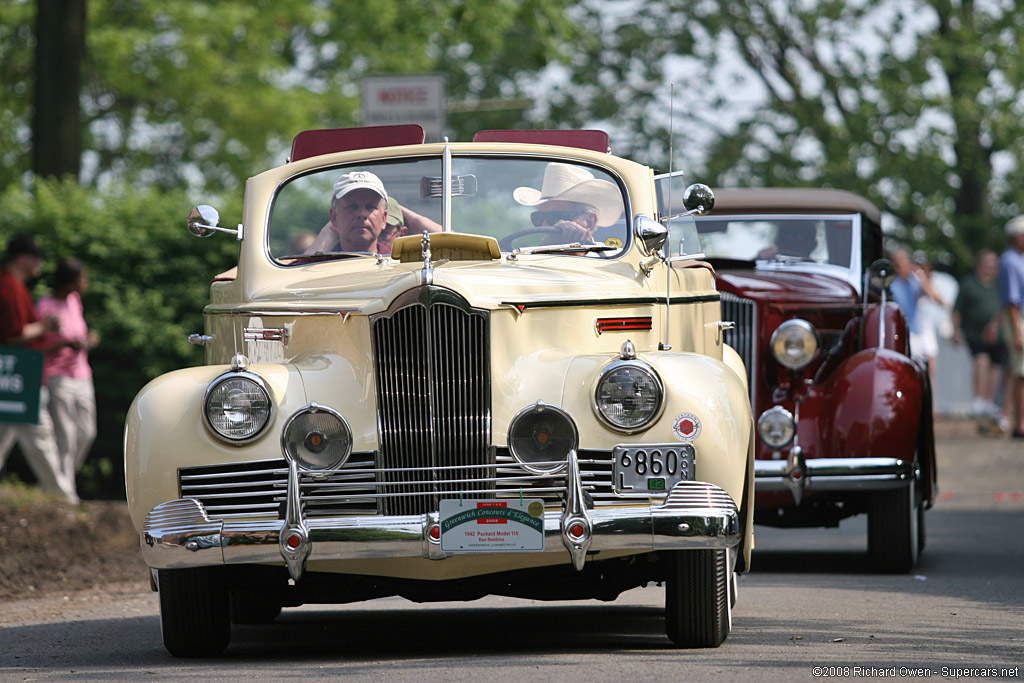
(779, 239)
(553, 206)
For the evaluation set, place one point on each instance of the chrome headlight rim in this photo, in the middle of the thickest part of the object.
(314, 407)
(613, 367)
(806, 332)
(267, 395)
(776, 412)
(531, 410)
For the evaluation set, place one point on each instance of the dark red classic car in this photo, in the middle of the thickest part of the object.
(844, 415)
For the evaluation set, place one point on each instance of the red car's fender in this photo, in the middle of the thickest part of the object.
(896, 331)
(878, 404)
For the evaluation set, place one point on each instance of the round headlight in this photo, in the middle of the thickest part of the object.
(541, 436)
(776, 427)
(629, 396)
(237, 406)
(317, 437)
(794, 343)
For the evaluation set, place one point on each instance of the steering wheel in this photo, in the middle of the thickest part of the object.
(506, 242)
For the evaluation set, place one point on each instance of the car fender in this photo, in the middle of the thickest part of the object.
(165, 429)
(874, 406)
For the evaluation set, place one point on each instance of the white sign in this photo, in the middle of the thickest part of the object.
(390, 100)
(493, 526)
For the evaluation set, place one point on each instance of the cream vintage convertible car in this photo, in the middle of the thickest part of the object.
(526, 394)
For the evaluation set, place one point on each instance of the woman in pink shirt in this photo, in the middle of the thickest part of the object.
(66, 367)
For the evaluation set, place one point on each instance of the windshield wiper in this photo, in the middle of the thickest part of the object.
(562, 248)
(325, 256)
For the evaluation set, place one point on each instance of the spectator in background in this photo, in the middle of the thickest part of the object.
(976, 321)
(72, 398)
(1011, 296)
(911, 284)
(20, 325)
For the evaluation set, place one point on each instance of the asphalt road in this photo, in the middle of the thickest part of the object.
(810, 610)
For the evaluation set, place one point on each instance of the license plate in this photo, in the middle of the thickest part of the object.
(651, 469)
(492, 526)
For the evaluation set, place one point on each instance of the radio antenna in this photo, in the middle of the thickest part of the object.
(667, 247)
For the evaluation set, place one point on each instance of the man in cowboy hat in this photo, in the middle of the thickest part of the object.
(573, 202)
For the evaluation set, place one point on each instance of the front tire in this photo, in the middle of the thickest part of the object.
(894, 529)
(194, 615)
(698, 604)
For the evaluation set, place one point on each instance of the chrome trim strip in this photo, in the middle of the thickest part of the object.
(344, 313)
(179, 534)
(835, 474)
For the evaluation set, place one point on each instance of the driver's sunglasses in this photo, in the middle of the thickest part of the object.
(540, 218)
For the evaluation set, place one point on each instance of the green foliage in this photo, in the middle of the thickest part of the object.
(915, 105)
(208, 93)
(149, 280)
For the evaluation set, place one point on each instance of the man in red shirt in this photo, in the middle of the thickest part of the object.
(20, 326)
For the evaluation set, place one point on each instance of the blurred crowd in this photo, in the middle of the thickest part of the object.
(56, 443)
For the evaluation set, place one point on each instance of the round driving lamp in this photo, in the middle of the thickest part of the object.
(776, 427)
(541, 436)
(794, 343)
(237, 406)
(317, 438)
(629, 396)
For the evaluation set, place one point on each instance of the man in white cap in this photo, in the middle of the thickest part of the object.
(1011, 295)
(572, 202)
(359, 211)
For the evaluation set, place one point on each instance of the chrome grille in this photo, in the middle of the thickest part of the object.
(258, 489)
(743, 337)
(433, 399)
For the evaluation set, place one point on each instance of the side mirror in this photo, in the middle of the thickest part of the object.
(698, 199)
(881, 273)
(203, 220)
(650, 234)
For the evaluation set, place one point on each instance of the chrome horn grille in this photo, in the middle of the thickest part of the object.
(431, 354)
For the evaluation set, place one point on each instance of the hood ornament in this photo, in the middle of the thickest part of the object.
(428, 267)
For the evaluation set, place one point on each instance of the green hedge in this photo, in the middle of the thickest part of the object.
(149, 280)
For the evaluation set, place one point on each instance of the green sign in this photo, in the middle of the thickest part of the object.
(21, 377)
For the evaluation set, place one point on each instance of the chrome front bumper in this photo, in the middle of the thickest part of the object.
(831, 474)
(180, 533)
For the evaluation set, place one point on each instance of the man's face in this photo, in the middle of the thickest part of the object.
(988, 267)
(576, 220)
(358, 217)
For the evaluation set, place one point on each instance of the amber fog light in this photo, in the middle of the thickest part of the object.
(317, 438)
(776, 427)
(794, 343)
(541, 436)
(237, 406)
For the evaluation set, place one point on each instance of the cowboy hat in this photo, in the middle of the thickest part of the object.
(568, 183)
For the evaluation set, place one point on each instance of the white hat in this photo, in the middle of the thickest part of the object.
(569, 183)
(1015, 227)
(358, 180)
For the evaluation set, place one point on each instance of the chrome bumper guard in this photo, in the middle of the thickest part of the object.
(831, 474)
(180, 533)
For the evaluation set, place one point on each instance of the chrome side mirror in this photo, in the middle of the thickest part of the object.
(650, 234)
(698, 199)
(203, 220)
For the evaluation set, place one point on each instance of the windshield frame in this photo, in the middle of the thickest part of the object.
(852, 274)
(367, 163)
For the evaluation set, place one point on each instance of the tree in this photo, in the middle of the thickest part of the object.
(914, 104)
(60, 47)
(183, 93)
